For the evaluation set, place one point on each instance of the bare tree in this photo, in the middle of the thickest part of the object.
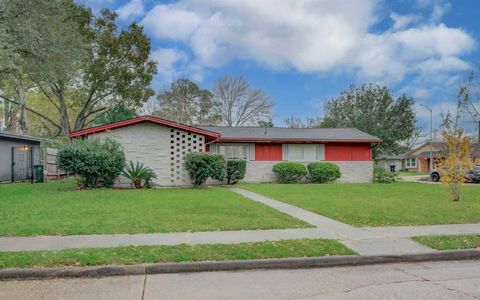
(294, 122)
(238, 104)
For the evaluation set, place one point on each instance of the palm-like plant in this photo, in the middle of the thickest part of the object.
(138, 172)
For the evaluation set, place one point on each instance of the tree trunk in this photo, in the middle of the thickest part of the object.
(64, 120)
(21, 107)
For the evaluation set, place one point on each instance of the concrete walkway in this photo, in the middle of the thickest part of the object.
(365, 240)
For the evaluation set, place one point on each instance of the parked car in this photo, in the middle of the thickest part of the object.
(472, 176)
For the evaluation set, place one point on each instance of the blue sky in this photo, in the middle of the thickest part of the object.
(304, 52)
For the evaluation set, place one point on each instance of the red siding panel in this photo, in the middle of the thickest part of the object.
(348, 152)
(268, 152)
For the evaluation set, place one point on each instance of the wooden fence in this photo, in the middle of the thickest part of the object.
(51, 169)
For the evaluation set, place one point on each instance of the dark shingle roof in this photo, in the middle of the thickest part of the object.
(294, 134)
(13, 136)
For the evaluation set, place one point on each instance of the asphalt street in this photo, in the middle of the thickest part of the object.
(427, 280)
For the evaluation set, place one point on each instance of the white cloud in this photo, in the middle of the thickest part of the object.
(172, 21)
(132, 9)
(402, 21)
(312, 37)
(438, 11)
(169, 63)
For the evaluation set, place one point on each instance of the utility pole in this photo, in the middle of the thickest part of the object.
(431, 134)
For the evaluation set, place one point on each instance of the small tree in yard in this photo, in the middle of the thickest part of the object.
(202, 165)
(457, 162)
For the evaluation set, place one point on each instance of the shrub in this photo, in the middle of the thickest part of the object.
(382, 176)
(321, 172)
(289, 172)
(138, 173)
(97, 162)
(202, 165)
(236, 169)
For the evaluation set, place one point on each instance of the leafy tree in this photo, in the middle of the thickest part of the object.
(80, 62)
(266, 124)
(372, 109)
(185, 102)
(118, 113)
(457, 162)
(238, 104)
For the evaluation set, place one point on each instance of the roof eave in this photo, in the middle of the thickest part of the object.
(279, 140)
(142, 119)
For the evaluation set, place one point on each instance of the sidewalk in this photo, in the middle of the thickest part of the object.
(365, 240)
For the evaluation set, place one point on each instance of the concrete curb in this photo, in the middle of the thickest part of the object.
(281, 263)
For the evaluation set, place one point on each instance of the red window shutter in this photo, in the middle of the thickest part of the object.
(268, 152)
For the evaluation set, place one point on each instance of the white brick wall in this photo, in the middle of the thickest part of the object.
(352, 171)
(151, 144)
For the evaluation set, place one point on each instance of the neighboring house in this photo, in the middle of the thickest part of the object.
(418, 159)
(162, 145)
(18, 154)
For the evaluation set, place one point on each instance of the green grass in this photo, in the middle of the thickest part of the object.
(56, 208)
(180, 253)
(450, 242)
(411, 173)
(379, 204)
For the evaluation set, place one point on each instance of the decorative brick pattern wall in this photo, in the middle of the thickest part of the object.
(182, 142)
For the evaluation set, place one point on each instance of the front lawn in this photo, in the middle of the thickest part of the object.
(56, 208)
(411, 173)
(180, 253)
(379, 204)
(450, 242)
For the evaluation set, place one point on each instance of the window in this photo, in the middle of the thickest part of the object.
(234, 151)
(411, 163)
(304, 152)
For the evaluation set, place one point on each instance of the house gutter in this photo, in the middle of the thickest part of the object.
(211, 142)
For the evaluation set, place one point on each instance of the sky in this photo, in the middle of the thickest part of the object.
(305, 52)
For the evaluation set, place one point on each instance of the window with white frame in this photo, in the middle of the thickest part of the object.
(411, 163)
(231, 151)
(304, 152)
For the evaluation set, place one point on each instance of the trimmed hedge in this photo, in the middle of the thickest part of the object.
(97, 162)
(202, 165)
(322, 172)
(236, 169)
(289, 172)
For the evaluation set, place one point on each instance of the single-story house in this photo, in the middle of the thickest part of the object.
(18, 154)
(162, 145)
(418, 160)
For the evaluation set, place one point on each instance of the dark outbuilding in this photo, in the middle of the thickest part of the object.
(18, 155)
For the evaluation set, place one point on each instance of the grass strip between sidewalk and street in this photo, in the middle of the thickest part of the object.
(449, 242)
(179, 253)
